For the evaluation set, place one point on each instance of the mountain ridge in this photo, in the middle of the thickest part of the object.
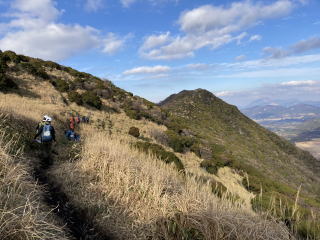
(192, 121)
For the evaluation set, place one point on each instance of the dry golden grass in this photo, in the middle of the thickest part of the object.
(136, 196)
(228, 177)
(23, 215)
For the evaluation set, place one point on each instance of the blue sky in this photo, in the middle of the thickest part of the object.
(240, 50)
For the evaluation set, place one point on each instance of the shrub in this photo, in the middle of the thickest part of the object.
(61, 85)
(11, 56)
(6, 83)
(133, 114)
(179, 143)
(134, 131)
(34, 69)
(74, 96)
(209, 166)
(91, 99)
(161, 153)
(52, 65)
(159, 136)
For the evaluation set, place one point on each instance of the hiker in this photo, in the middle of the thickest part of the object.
(77, 119)
(47, 135)
(71, 135)
(40, 124)
(72, 123)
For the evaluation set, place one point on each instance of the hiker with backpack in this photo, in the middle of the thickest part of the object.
(47, 134)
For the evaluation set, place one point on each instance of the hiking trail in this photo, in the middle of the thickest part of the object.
(77, 222)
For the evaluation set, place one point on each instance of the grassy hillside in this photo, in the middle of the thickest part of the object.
(23, 211)
(221, 135)
(162, 183)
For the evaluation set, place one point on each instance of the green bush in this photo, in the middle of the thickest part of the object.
(35, 69)
(134, 131)
(179, 143)
(91, 99)
(52, 65)
(6, 83)
(11, 56)
(74, 96)
(61, 85)
(133, 114)
(209, 166)
(161, 153)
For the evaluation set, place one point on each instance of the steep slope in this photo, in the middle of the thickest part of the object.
(112, 180)
(227, 137)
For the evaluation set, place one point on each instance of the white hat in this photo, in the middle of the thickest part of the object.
(46, 118)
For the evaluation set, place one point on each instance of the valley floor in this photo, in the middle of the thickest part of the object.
(311, 146)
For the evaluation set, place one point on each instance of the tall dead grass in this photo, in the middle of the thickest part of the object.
(136, 196)
(23, 215)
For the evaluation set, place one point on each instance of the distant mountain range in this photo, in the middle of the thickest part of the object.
(267, 113)
(300, 122)
(280, 102)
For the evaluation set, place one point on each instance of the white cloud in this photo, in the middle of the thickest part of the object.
(299, 47)
(276, 92)
(33, 30)
(42, 9)
(156, 41)
(147, 70)
(54, 41)
(237, 16)
(255, 38)
(213, 26)
(93, 5)
(306, 45)
(300, 83)
(275, 73)
(224, 93)
(198, 66)
(127, 3)
(272, 52)
(240, 58)
(113, 44)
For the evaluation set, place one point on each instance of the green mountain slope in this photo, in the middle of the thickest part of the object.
(196, 121)
(227, 137)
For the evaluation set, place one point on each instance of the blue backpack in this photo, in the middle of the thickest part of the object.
(46, 135)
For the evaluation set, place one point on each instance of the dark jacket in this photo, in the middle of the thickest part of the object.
(40, 129)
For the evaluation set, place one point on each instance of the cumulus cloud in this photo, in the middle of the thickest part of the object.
(44, 10)
(226, 20)
(112, 43)
(214, 26)
(153, 41)
(33, 30)
(148, 70)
